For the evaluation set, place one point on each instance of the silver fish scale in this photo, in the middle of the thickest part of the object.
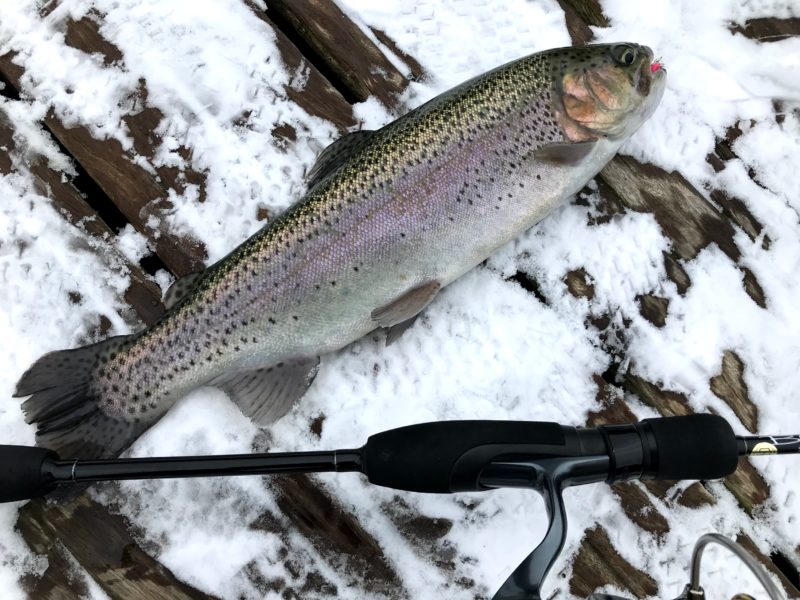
(431, 196)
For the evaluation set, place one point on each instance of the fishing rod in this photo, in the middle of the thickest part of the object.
(453, 456)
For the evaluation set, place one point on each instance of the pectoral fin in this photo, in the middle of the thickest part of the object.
(266, 394)
(564, 153)
(406, 306)
(395, 331)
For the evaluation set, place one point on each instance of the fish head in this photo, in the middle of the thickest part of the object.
(606, 90)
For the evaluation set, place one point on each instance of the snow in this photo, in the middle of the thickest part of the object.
(486, 348)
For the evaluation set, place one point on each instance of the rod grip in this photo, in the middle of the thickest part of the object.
(23, 474)
(448, 456)
(693, 447)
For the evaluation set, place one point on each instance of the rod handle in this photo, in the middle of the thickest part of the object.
(699, 446)
(24, 473)
(448, 456)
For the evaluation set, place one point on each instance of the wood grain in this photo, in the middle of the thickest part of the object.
(340, 45)
(142, 291)
(102, 544)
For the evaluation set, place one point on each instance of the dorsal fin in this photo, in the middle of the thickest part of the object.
(336, 154)
(180, 287)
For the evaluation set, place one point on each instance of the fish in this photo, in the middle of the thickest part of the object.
(390, 217)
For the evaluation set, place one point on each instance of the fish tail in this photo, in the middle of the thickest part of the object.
(65, 403)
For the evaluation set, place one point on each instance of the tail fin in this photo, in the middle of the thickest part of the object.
(65, 405)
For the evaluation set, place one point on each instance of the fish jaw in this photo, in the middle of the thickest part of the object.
(597, 95)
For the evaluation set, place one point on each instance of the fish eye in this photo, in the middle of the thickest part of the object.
(624, 54)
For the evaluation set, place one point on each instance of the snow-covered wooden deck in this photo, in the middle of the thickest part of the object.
(111, 191)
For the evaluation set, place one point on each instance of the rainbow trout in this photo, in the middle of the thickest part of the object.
(390, 218)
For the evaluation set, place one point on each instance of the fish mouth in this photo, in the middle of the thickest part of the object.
(649, 70)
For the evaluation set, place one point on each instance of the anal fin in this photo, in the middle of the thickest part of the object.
(266, 394)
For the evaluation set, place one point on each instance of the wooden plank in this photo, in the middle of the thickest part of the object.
(142, 292)
(577, 14)
(351, 58)
(318, 97)
(685, 216)
(133, 190)
(598, 564)
(102, 543)
(768, 29)
(792, 589)
(415, 69)
(335, 534)
(731, 387)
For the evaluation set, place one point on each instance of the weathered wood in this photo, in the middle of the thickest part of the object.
(142, 292)
(61, 580)
(736, 210)
(685, 216)
(640, 509)
(579, 284)
(101, 542)
(317, 95)
(85, 33)
(731, 387)
(579, 32)
(676, 273)
(352, 58)
(768, 29)
(598, 564)
(653, 308)
(689, 220)
(747, 485)
(334, 533)
(589, 11)
(791, 589)
(416, 70)
(132, 189)
(667, 402)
